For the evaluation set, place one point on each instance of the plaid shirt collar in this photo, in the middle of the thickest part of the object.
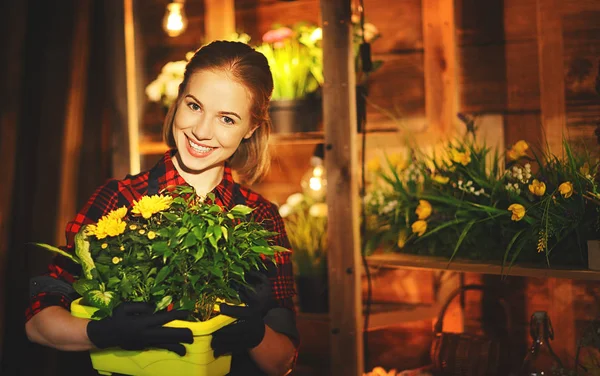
(223, 191)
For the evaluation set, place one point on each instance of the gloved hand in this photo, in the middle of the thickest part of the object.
(135, 326)
(249, 330)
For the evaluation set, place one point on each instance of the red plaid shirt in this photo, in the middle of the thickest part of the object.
(117, 193)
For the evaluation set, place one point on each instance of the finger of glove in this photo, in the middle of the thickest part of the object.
(236, 311)
(177, 348)
(256, 278)
(166, 335)
(224, 345)
(163, 317)
(134, 308)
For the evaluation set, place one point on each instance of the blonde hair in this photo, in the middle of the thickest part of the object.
(250, 68)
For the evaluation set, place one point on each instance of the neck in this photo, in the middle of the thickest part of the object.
(203, 181)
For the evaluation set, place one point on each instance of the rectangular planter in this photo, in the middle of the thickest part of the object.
(593, 254)
(198, 360)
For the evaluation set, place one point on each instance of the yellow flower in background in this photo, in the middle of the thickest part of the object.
(116, 260)
(318, 210)
(419, 227)
(440, 179)
(518, 212)
(402, 237)
(518, 150)
(132, 227)
(566, 189)
(538, 188)
(104, 245)
(423, 210)
(118, 213)
(151, 235)
(374, 165)
(149, 205)
(398, 160)
(460, 157)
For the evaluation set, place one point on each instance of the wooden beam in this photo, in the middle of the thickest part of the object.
(341, 163)
(133, 125)
(440, 65)
(13, 36)
(74, 118)
(219, 19)
(551, 71)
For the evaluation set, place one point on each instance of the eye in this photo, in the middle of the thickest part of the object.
(194, 106)
(227, 120)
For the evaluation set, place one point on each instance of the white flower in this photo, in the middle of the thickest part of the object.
(175, 68)
(172, 89)
(318, 210)
(316, 35)
(154, 91)
(285, 210)
(295, 199)
(371, 32)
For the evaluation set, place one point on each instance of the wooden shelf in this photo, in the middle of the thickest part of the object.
(154, 147)
(383, 315)
(396, 260)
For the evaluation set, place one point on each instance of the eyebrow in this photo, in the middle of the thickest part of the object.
(221, 112)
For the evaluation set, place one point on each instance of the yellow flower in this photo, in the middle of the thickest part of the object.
(318, 210)
(538, 188)
(118, 213)
(132, 227)
(566, 189)
(460, 157)
(122, 248)
(423, 210)
(518, 150)
(440, 179)
(151, 235)
(149, 205)
(115, 260)
(585, 169)
(104, 246)
(107, 226)
(374, 165)
(419, 227)
(142, 231)
(402, 237)
(398, 160)
(518, 212)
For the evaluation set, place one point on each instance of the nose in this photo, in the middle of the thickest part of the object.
(203, 128)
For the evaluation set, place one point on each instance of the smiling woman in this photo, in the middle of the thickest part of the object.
(218, 122)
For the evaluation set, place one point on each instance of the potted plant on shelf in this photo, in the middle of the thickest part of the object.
(464, 203)
(174, 251)
(305, 218)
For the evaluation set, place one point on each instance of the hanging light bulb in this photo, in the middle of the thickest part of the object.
(314, 181)
(175, 21)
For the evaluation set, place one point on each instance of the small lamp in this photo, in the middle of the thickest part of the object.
(314, 181)
(175, 22)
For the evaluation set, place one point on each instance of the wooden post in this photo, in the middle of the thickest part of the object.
(71, 148)
(133, 125)
(551, 68)
(440, 66)
(13, 35)
(339, 120)
(219, 19)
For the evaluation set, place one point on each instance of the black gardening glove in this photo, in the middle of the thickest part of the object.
(135, 326)
(249, 330)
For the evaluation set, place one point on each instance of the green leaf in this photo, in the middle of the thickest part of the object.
(199, 253)
(164, 303)
(461, 238)
(182, 231)
(190, 240)
(225, 233)
(84, 285)
(82, 250)
(261, 250)
(241, 210)
(162, 274)
(59, 251)
(277, 248)
(170, 216)
(160, 247)
(103, 300)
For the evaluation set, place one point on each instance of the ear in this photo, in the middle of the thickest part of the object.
(250, 132)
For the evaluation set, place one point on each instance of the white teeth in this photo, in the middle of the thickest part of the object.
(198, 148)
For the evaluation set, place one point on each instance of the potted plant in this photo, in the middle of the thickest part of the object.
(305, 218)
(469, 201)
(175, 251)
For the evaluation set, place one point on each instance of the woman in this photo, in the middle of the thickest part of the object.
(219, 122)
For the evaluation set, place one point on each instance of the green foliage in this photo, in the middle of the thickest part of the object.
(187, 256)
(481, 208)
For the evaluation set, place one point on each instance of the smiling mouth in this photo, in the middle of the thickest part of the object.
(199, 148)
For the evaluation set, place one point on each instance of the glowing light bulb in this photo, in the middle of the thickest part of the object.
(175, 22)
(314, 181)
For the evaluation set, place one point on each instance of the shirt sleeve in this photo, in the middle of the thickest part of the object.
(102, 201)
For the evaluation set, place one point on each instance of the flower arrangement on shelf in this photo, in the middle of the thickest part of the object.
(470, 201)
(173, 250)
(164, 88)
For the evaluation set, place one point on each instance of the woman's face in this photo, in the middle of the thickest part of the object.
(211, 120)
